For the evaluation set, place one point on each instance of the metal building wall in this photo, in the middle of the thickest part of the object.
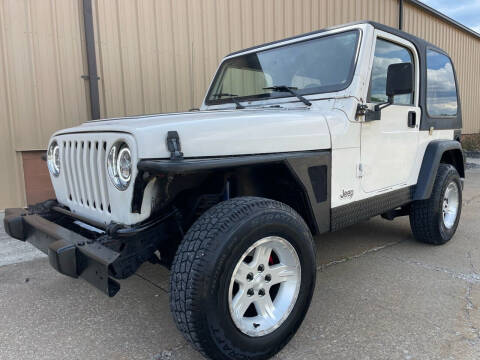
(160, 55)
(464, 50)
(41, 90)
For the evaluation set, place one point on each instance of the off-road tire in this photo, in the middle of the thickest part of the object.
(203, 266)
(426, 218)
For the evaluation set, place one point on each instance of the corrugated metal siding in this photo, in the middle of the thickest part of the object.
(464, 50)
(40, 86)
(43, 51)
(160, 56)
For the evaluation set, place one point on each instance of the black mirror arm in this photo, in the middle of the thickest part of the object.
(381, 106)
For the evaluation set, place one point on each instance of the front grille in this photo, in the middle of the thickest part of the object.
(85, 174)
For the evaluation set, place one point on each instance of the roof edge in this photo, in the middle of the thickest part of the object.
(298, 36)
(444, 17)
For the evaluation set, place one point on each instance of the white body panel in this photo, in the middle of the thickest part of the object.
(389, 147)
(372, 158)
(221, 133)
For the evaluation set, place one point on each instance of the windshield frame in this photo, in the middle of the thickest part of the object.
(273, 95)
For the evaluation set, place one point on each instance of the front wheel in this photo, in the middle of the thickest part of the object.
(243, 278)
(435, 220)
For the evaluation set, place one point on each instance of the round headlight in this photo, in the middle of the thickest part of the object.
(119, 165)
(53, 158)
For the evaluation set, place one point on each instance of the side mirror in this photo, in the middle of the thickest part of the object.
(399, 80)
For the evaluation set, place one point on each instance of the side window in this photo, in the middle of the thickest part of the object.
(441, 89)
(387, 53)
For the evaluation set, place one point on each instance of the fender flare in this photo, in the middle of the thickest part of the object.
(431, 161)
(311, 170)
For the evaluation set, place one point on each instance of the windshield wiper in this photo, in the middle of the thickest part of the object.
(291, 90)
(232, 97)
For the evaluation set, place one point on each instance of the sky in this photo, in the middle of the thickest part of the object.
(466, 12)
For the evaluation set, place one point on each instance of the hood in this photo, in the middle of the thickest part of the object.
(221, 133)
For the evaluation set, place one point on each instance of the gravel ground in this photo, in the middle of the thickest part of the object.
(379, 295)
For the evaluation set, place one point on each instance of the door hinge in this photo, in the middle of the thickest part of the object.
(360, 170)
(362, 109)
(370, 115)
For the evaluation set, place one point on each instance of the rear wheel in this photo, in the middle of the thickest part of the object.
(243, 278)
(435, 220)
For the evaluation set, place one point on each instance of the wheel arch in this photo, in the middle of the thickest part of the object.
(437, 152)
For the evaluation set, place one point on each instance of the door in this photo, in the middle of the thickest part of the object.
(389, 146)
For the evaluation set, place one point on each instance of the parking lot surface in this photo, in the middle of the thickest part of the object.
(379, 295)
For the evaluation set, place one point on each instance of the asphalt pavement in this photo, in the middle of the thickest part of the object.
(379, 295)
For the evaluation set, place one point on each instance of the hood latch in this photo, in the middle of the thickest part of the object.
(173, 145)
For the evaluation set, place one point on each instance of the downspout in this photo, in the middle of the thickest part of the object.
(92, 76)
(400, 14)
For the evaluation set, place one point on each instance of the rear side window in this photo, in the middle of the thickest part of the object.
(441, 88)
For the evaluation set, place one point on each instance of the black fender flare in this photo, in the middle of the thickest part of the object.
(310, 169)
(431, 161)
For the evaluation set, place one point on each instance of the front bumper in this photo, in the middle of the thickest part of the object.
(69, 252)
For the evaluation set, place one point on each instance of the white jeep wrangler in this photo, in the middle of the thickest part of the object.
(294, 138)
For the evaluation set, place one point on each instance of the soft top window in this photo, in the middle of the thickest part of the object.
(441, 88)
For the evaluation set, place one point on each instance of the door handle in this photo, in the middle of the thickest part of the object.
(412, 119)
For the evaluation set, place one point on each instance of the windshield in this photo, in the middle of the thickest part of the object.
(314, 66)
